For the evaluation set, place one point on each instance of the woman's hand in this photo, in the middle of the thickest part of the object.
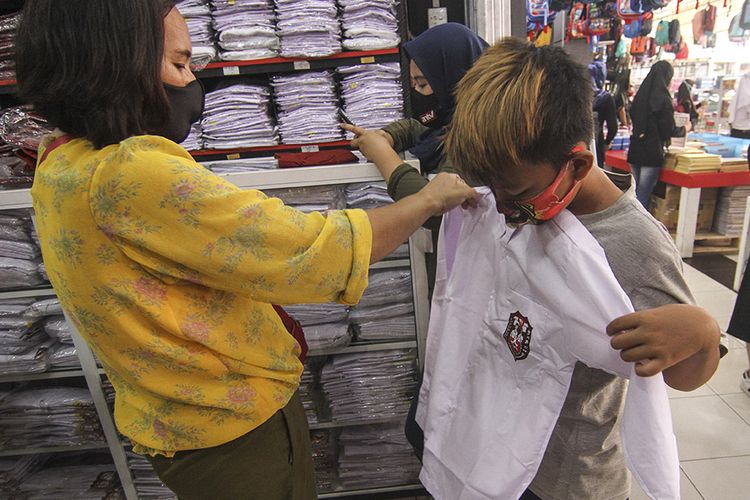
(377, 146)
(447, 191)
(359, 132)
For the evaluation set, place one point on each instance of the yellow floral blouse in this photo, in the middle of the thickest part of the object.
(169, 273)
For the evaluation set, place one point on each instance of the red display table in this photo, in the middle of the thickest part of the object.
(690, 194)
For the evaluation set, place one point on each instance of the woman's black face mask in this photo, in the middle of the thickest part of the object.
(186, 104)
(425, 109)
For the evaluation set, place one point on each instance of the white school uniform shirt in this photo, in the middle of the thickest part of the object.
(512, 312)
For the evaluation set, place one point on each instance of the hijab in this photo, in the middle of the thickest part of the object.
(685, 100)
(653, 95)
(444, 53)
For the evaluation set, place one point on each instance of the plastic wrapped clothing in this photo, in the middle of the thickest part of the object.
(327, 336)
(21, 128)
(238, 116)
(197, 14)
(308, 107)
(372, 94)
(371, 385)
(308, 28)
(245, 29)
(367, 195)
(376, 455)
(52, 416)
(369, 24)
(317, 314)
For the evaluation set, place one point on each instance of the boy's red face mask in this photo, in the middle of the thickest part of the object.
(544, 206)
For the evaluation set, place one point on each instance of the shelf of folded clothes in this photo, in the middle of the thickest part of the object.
(287, 64)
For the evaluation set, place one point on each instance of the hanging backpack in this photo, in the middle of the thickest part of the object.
(638, 46)
(544, 37)
(709, 19)
(578, 20)
(662, 33)
(682, 53)
(698, 22)
(609, 9)
(745, 16)
(651, 47)
(675, 37)
(736, 33)
(632, 29)
(538, 13)
(598, 24)
(647, 23)
(626, 13)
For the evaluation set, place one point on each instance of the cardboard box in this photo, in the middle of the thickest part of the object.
(667, 212)
(672, 193)
(706, 212)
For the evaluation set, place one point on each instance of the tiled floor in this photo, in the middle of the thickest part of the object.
(712, 424)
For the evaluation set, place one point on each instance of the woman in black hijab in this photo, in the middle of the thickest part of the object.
(653, 126)
(439, 58)
(685, 102)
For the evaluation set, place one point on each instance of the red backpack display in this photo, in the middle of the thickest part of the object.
(578, 21)
(598, 23)
(682, 53)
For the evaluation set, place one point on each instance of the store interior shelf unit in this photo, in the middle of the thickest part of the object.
(266, 179)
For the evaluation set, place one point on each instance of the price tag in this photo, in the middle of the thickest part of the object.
(301, 65)
(233, 156)
(231, 70)
(367, 60)
(231, 2)
(310, 149)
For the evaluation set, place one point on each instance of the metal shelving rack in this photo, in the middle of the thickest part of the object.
(419, 243)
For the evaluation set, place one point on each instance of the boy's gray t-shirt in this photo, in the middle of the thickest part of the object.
(584, 458)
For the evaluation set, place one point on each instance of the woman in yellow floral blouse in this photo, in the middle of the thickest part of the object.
(167, 270)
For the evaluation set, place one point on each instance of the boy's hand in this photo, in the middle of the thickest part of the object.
(678, 339)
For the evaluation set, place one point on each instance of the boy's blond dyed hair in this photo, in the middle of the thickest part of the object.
(518, 105)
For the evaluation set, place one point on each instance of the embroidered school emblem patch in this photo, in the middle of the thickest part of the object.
(518, 336)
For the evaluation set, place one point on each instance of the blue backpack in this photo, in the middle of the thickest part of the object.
(632, 29)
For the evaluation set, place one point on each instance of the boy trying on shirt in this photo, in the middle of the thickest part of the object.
(521, 125)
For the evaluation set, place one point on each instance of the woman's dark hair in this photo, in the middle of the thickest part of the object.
(93, 67)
